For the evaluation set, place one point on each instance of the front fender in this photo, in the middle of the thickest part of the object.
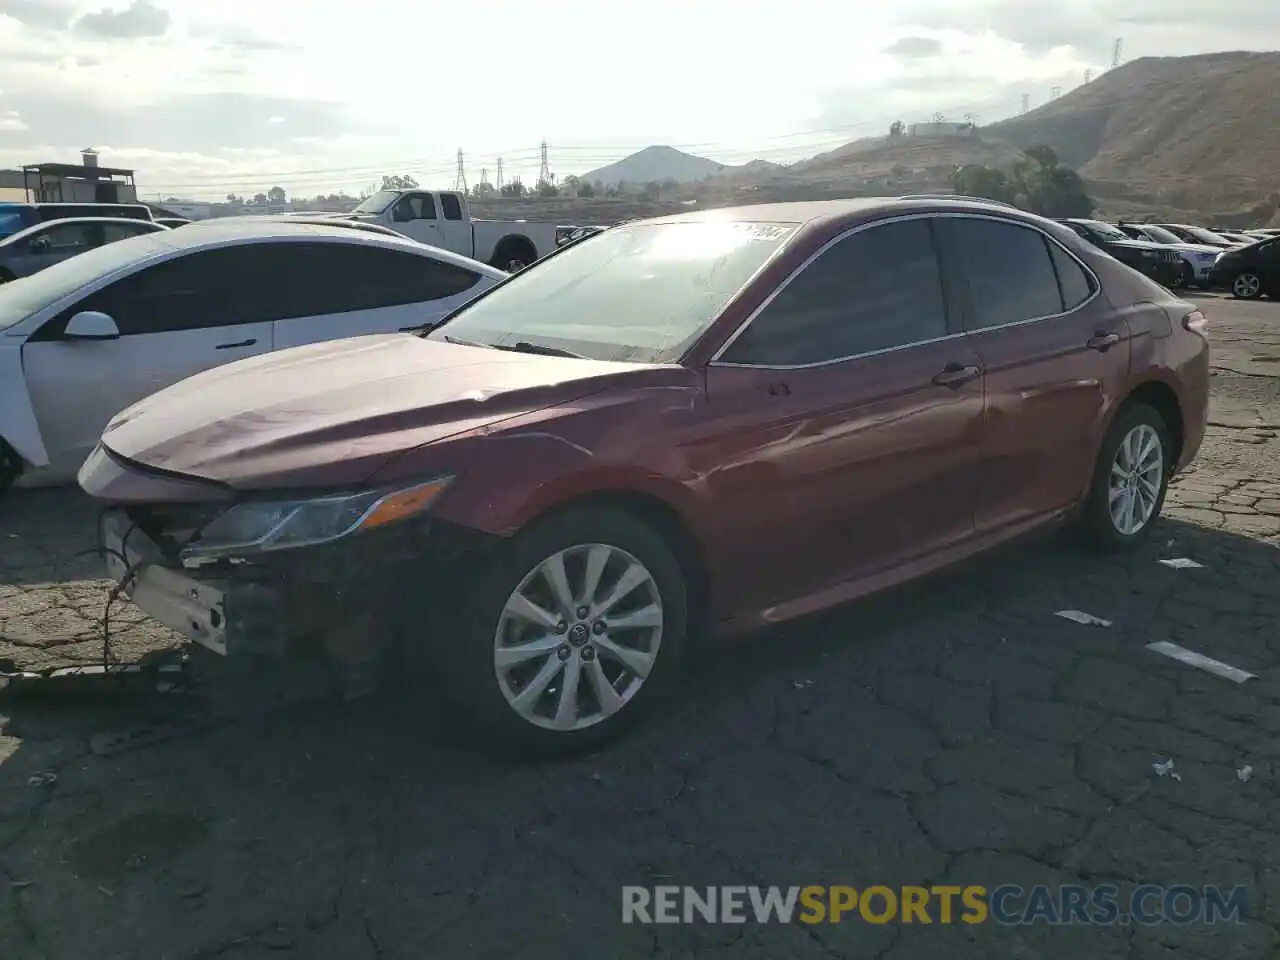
(18, 424)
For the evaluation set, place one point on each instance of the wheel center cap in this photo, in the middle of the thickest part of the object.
(579, 634)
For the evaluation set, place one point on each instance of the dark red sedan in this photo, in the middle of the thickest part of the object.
(723, 419)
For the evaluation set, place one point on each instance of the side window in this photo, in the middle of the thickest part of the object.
(1074, 282)
(208, 288)
(1008, 270)
(451, 206)
(118, 231)
(63, 238)
(416, 206)
(874, 290)
(326, 278)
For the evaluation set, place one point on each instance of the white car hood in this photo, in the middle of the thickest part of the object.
(1194, 248)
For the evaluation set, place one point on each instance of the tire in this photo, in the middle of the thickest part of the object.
(1140, 423)
(1246, 286)
(466, 666)
(513, 256)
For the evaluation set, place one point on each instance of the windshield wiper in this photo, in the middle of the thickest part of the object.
(524, 346)
(464, 343)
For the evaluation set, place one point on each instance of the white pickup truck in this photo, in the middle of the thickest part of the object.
(443, 219)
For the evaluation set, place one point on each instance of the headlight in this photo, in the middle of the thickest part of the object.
(263, 526)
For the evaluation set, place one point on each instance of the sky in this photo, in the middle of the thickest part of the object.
(205, 99)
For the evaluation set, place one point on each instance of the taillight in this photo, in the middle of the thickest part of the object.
(1196, 322)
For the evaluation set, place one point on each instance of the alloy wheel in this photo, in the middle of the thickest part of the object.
(578, 637)
(1137, 472)
(1247, 285)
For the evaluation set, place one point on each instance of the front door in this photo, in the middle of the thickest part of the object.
(1056, 357)
(849, 413)
(415, 215)
(176, 319)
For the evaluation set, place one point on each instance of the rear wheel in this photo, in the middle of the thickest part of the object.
(572, 633)
(513, 255)
(1130, 479)
(1247, 286)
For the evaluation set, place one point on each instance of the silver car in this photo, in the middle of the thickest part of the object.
(30, 251)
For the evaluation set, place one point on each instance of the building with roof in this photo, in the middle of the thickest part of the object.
(86, 182)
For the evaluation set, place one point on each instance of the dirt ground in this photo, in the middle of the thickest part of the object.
(955, 731)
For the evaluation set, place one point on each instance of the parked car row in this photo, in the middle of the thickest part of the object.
(711, 421)
(1246, 263)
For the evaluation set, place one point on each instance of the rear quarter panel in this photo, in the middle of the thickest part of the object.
(489, 233)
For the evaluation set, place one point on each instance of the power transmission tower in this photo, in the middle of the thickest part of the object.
(498, 185)
(1026, 102)
(1116, 51)
(1056, 92)
(1088, 75)
(544, 167)
(460, 181)
(484, 175)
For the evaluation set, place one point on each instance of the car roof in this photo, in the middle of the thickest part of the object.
(214, 233)
(62, 221)
(837, 212)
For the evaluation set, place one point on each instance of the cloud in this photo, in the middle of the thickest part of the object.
(237, 37)
(915, 48)
(140, 19)
(38, 14)
(11, 122)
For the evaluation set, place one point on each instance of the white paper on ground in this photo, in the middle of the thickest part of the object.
(1165, 769)
(1245, 773)
(1079, 616)
(1193, 659)
(1183, 563)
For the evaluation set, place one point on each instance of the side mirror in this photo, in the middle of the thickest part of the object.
(91, 325)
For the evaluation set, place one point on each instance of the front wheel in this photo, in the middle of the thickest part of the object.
(1247, 286)
(571, 634)
(1130, 479)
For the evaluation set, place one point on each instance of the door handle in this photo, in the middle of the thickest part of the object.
(238, 343)
(956, 375)
(1102, 341)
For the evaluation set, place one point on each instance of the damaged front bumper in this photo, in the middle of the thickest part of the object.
(291, 599)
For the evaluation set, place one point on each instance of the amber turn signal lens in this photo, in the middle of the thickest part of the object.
(397, 506)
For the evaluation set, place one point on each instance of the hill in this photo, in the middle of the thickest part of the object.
(1202, 132)
(657, 163)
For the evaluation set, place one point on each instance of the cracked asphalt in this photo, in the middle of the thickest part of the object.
(953, 731)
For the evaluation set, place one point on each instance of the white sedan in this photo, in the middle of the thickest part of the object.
(88, 337)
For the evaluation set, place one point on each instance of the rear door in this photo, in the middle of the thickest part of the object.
(176, 318)
(1267, 258)
(339, 290)
(455, 226)
(847, 419)
(1056, 357)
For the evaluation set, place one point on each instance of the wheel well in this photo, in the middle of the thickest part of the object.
(7, 273)
(513, 244)
(1164, 401)
(667, 522)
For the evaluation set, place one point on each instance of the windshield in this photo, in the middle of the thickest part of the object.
(1106, 230)
(378, 202)
(1206, 236)
(1161, 235)
(642, 292)
(22, 297)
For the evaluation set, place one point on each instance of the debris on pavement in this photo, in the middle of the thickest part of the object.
(801, 684)
(1164, 768)
(1199, 660)
(43, 779)
(1245, 773)
(1183, 563)
(1079, 616)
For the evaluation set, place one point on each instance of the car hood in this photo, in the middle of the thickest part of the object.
(341, 408)
(1137, 244)
(1193, 247)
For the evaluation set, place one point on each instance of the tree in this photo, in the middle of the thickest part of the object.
(260, 199)
(277, 195)
(1039, 183)
(669, 185)
(652, 190)
(975, 180)
(897, 128)
(405, 182)
(547, 189)
(232, 198)
(597, 187)
(586, 190)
